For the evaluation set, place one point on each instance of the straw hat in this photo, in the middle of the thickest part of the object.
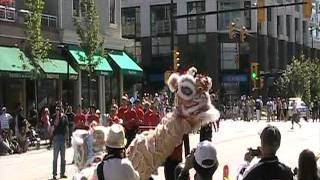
(116, 137)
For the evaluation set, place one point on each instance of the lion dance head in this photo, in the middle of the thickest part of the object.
(192, 97)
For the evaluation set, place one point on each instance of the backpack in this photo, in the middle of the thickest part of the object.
(258, 105)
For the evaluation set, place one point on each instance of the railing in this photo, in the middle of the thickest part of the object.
(7, 13)
(49, 21)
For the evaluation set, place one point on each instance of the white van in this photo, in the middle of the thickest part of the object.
(301, 107)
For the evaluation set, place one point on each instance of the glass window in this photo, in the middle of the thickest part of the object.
(239, 17)
(288, 25)
(197, 38)
(296, 28)
(7, 11)
(279, 27)
(78, 8)
(161, 46)
(197, 23)
(160, 19)
(229, 53)
(131, 22)
(112, 11)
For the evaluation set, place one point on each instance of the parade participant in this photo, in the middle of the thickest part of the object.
(131, 123)
(123, 107)
(60, 129)
(147, 114)
(113, 117)
(5, 119)
(92, 116)
(139, 109)
(115, 165)
(269, 167)
(79, 118)
(193, 109)
(203, 159)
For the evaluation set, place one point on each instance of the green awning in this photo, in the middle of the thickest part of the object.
(79, 56)
(125, 63)
(58, 69)
(11, 64)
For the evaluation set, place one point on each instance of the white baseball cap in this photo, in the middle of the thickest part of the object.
(206, 154)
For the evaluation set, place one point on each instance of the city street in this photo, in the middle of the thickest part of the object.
(231, 143)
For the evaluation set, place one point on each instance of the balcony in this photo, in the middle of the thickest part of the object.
(49, 21)
(7, 14)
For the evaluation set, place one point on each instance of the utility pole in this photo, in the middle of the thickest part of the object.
(172, 33)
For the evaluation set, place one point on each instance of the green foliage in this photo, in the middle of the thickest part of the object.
(38, 46)
(87, 26)
(300, 79)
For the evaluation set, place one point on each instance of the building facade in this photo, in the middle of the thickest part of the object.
(203, 41)
(70, 85)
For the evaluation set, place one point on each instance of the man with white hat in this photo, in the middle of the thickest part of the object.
(203, 159)
(5, 119)
(115, 165)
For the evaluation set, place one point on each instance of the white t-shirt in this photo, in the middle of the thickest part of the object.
(118, 169)
(4, 120)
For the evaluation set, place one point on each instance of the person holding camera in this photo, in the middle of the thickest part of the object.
(269, 167)
(203, 159)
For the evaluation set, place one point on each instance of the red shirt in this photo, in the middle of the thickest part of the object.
(151, 118)
(121, 112)
(131, 119)
(114, 119)
(176, 155)
(93, 117)
(79, 118)
(140, 113)
(145, 121)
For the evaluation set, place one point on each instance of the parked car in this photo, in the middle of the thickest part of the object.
(302, 108)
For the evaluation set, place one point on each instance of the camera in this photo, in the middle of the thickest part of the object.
(254, 152)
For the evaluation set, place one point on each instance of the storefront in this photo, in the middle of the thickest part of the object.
(90, 90)
(127, 74)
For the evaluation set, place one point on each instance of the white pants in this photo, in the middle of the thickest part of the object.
(258, 112)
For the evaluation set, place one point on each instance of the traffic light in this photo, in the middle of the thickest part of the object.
(307, 8)
(243, 34)
(176, 59)
(232, 30)
(254, 71)
(261, 11)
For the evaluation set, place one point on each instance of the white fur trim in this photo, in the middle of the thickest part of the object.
(173, 82)
(192, 71)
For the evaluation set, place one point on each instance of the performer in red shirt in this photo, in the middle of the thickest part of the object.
(148, 112)
(113, 117)
(123, 107)
(131, 123)
(79, 118)
(92, 116)
(154, 117)
(139, 110)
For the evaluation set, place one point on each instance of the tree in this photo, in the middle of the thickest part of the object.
(91, 42)
(300, 79)
(36, 45)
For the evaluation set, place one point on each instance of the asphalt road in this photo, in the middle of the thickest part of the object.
(231, 143)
